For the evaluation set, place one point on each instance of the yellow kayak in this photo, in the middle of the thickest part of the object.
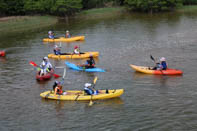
(63, 39)
(74, 56)
(81, 96)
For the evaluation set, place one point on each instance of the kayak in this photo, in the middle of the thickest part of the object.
(63, 39)
(44, 77)
(81, 96)
(147, 70)
(78, 68)
(74, 56)
(2, 53)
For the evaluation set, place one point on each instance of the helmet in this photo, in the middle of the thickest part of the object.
(162, 59)
(67, 31)
(76, 47)
(87, 84)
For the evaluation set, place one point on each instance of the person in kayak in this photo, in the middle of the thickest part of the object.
(67, 34)
(89, 90)
(57, 87)
(89, 63)
(76, 50)
(43, 70)
(57, 51)
(158, 66)
(47, 63)
(163, 63)
(51, 34)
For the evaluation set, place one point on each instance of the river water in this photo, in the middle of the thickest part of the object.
(163, 103)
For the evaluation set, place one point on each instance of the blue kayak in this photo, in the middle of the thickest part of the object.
(78, 68)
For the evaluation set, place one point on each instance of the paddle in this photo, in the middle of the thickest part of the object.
(94, 83)
(35, 65)
(152, 58)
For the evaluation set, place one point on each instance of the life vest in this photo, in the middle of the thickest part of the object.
(88, 91)
(164, 65)
(59, 90)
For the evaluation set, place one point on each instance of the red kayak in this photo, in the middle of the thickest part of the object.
(44, 77)
(2, 53)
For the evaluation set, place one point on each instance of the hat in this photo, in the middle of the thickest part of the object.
(76, 47)
(163, 59)
(87, 84)
(45, 58)
(67, 31)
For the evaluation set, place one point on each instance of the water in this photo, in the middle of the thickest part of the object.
(149, 103)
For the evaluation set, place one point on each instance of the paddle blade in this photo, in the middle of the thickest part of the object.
(33, 63)
(152, 58)
(95, 79)
(90, 103)
(56, 75)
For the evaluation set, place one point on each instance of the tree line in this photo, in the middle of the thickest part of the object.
(69, 7)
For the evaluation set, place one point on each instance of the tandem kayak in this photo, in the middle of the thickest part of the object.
(78, 95)
(2, 53)
(74, 56)
(44, 77)
(147, 70)
(63, 39)
(78, 68)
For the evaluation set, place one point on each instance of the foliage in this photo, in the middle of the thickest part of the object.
(152, 5)
(189, 2)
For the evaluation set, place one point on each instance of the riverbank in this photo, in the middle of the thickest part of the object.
(188, 8)
(25, 23)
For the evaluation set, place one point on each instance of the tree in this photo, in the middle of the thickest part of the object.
(152, 5)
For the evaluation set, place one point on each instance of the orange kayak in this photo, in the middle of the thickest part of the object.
(147, 70)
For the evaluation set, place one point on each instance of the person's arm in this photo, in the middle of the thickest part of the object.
(55, 91)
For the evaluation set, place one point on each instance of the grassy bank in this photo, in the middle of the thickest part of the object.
(187, 8)
(100, 12)
(25, 23)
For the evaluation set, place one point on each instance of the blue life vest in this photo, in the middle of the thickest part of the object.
(88, 91)
(164, 65)
(57, 52)
(51, 37)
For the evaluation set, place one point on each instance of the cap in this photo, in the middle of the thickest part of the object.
(67, 31)
(163, 59)
(45, 58)
(76, 47)
(87, 84)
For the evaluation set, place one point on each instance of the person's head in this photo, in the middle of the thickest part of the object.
(162, 59)
(91, 56)
(67, 31)
(45, 58)
(87, 85)
(60, 86)
(50, 32)
(76, 47)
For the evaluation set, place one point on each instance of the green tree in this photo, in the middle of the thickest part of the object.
(152, 5)
(66, 7)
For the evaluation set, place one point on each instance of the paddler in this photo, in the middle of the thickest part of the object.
(163, 63)
(51, 34)
(67, 35)
(47, 63)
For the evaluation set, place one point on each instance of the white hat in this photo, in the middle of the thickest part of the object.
(55, 46)
(87, 84)
(67, 31)
(163, 59)
(45, 58)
